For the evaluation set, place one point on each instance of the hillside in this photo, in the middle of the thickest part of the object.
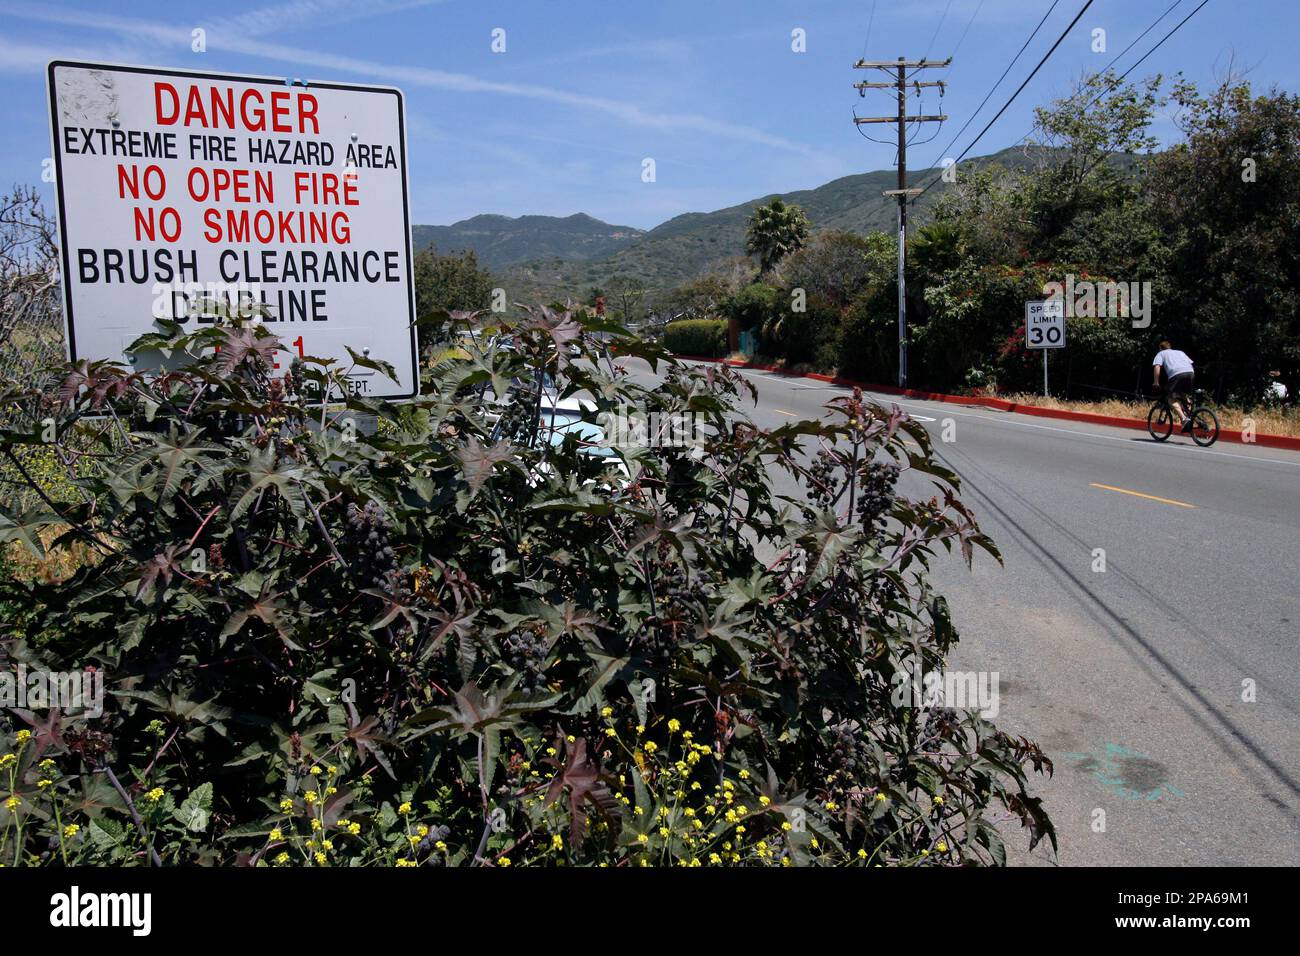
(501, 241)
(539, 257)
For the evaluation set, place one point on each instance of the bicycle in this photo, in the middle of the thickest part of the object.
(1205, 424)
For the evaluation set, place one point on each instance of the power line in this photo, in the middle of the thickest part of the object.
(870, 21)
(937, 29)
(1120, 56)
(994, 87)
(1059, 40)
(970, 23)
(1162, 40)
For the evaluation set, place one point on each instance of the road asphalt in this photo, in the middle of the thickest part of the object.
(1164, 688)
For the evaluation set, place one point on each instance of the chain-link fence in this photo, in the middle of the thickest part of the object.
(31, 332)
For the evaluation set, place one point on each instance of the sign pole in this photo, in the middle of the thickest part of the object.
(1044, 373)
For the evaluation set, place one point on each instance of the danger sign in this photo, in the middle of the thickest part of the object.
(188, 196)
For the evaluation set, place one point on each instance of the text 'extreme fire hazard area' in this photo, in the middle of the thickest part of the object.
(186, 196)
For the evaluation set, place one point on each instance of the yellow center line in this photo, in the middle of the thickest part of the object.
(784, 412)
(1138, 494)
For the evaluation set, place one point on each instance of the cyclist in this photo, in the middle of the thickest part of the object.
(1179, 376)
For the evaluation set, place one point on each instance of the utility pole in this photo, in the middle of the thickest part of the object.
(900, 82)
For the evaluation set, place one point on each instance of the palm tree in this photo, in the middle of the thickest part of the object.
(937, 248)
(775, 231)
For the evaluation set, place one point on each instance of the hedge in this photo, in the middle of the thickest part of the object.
(705, 337)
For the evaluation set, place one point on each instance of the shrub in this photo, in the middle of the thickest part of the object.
(703, 337)
(868, 340)
(450, 642)
(753, 305)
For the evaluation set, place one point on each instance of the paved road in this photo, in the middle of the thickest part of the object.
(1132, 678)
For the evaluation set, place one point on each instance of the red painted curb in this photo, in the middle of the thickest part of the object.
(1268, 441)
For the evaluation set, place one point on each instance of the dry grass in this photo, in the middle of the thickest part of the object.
(58, 564)
(1268, 421)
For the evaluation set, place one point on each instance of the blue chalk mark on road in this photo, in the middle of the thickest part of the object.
(1127, 773)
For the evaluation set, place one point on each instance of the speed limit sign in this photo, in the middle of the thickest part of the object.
(1045, 324)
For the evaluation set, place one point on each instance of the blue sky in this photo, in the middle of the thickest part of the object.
(710, 89)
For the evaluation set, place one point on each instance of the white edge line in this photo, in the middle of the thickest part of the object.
(1010, 421)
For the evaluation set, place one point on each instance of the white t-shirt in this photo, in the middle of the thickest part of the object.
(1174, 361)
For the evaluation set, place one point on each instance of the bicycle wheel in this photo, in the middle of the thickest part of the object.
(1160, 422)
(1205, 427)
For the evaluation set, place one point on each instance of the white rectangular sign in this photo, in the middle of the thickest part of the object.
(178, 190)
(1045, 324)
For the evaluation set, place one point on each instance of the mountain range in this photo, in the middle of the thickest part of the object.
(546, 257)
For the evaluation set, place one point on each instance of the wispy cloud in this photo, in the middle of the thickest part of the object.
(627, 112)
(28, 58)
(300, 14)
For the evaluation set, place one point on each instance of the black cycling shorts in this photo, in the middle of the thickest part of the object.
(1179, 385)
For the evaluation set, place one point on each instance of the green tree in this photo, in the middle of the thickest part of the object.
(625, 297)
(1228, 201)
(444, 283)
(775, 231)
